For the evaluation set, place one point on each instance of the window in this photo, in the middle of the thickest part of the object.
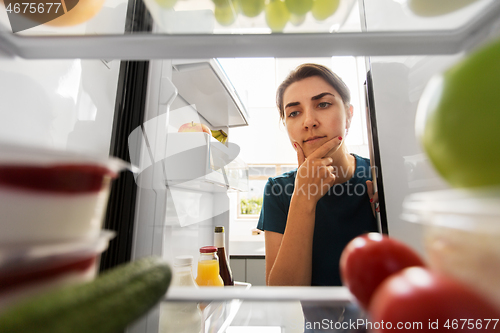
(250, 203)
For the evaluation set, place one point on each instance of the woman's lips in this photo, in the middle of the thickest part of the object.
(314, 140)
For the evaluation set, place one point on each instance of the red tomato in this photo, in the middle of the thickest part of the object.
(417, 299)
(368, 259)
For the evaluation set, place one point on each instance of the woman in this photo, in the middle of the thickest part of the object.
(310, 214)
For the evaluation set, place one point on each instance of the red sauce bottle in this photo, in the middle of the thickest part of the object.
(224, 269)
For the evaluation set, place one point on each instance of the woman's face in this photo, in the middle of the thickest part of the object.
(314, 113)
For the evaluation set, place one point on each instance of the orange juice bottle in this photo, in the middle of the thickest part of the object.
(208, 268)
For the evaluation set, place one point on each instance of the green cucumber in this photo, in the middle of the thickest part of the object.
(106, 305)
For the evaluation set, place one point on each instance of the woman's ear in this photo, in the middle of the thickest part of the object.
(350, 112)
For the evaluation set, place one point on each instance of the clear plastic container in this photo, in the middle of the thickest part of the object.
(461, 235)
(29, 269)
(50, 195)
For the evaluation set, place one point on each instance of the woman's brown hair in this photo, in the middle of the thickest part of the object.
(307, 70)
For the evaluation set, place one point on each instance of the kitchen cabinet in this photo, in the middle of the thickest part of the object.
(250, 269)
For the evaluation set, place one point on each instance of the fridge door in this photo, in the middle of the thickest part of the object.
(395, 85)
(183, 177)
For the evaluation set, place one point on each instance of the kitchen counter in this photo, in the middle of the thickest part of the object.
(247, 246)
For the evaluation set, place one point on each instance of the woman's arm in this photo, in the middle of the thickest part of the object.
(289, 256)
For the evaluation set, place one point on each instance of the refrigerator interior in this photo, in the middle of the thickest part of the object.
(64, 98)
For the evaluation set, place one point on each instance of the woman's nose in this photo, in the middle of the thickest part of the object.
(310, 120)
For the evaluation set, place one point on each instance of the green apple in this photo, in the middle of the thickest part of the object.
(251, 8)
(277, 15)
(459, 118)
(436, 7)
(323, 9)
(167, 4)
(299, 7)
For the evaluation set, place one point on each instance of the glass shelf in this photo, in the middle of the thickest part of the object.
(220, 95)
(375, 27)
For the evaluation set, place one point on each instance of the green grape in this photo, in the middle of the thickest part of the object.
(221, 3)
(299, 7)
(297, 20)
(277, 15)
(225, 15)
(323, 9)
(251, 8)
(429, 8)
(167, 4)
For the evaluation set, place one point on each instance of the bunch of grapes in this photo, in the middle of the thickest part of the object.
(277, 12)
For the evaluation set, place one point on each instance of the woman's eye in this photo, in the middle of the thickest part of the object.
(323, 105)
(293, 114)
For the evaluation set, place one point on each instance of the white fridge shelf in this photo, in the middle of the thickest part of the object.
(216, 99)
(146, 46)
(331, 295)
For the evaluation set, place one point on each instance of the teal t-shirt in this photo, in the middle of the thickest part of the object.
(341, 215)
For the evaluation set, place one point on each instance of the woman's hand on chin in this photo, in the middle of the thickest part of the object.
(315, 173)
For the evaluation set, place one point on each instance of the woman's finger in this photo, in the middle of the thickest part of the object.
(373, 196)
(327, 161)
(369, 187)
(300, 153)
(327, 148)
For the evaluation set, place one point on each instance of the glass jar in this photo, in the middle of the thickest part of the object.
(208, 268)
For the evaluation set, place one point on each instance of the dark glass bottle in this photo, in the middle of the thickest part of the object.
(224, 269)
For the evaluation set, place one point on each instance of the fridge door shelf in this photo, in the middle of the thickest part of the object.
(86, 43)
(195, 160)
(204, 84)
(237, 174)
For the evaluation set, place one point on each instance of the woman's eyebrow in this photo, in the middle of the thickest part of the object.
(292, 104)
(321, 95)
(312, 98)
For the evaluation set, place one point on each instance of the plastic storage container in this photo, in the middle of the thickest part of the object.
(49, 195)
(181, 317)
(461, 235)
(28, 269)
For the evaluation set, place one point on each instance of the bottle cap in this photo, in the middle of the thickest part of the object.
(183, 260)
(208, 249)
(219, 229)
